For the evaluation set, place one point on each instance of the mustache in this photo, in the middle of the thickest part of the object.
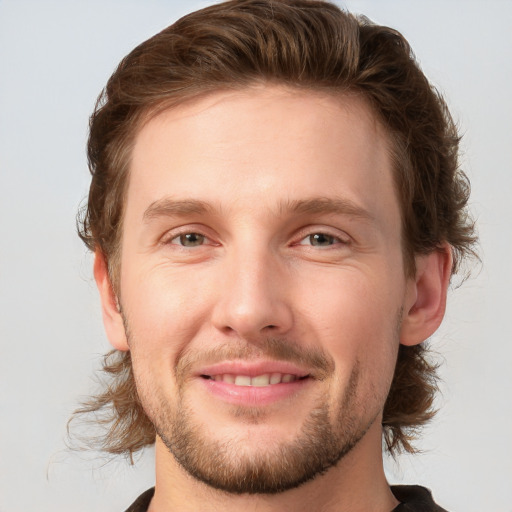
(277, 349)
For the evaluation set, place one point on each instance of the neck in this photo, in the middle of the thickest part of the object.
(356, 484)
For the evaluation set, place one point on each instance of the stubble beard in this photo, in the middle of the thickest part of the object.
(230, 466)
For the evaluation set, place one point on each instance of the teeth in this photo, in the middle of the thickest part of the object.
(261, 380)
(242, 380)
(265, 379)
(275, 378)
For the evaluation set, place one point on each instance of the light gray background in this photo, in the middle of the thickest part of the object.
(55, 56)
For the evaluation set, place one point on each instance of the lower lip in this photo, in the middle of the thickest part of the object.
(254, 395)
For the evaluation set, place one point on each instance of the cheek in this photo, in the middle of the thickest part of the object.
(164, 309)
(355, 317)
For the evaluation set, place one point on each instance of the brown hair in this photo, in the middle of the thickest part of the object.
(302, 44)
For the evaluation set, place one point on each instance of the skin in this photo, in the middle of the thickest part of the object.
(251, 172)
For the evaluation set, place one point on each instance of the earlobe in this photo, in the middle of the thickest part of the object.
(426, 297)
(112, 318)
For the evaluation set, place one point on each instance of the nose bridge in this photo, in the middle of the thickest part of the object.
(253, 292)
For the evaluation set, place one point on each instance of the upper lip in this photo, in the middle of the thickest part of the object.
(253, 368)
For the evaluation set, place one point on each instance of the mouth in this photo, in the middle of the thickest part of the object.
(263, 380)
(254, 383)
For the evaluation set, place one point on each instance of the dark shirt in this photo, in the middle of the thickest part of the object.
(413, 498)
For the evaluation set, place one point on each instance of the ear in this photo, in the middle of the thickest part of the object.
(425, 302)
(112, 319)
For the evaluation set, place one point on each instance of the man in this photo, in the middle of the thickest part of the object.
(276, 211)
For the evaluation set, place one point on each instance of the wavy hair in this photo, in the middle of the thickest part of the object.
(303, 44)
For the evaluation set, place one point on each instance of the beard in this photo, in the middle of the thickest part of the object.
(228, 465)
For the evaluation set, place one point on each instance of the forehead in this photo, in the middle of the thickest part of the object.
(261, 147)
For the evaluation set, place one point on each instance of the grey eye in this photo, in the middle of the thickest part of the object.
(191, 239)
(321, 240)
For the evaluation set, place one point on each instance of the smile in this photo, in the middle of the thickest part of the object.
(256, 382)
(266, 379)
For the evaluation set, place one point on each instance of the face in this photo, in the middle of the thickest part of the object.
(262, 283)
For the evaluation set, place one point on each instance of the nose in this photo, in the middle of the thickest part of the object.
(253, 298)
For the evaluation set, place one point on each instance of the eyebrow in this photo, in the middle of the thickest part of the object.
(327, 205)
(168, 207)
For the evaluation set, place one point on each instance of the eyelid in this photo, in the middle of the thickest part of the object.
(336, 241)
(341, 237)
(205, 239)
(170, 235)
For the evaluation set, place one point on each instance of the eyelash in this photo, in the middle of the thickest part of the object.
(181, 237)
(335, 240)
